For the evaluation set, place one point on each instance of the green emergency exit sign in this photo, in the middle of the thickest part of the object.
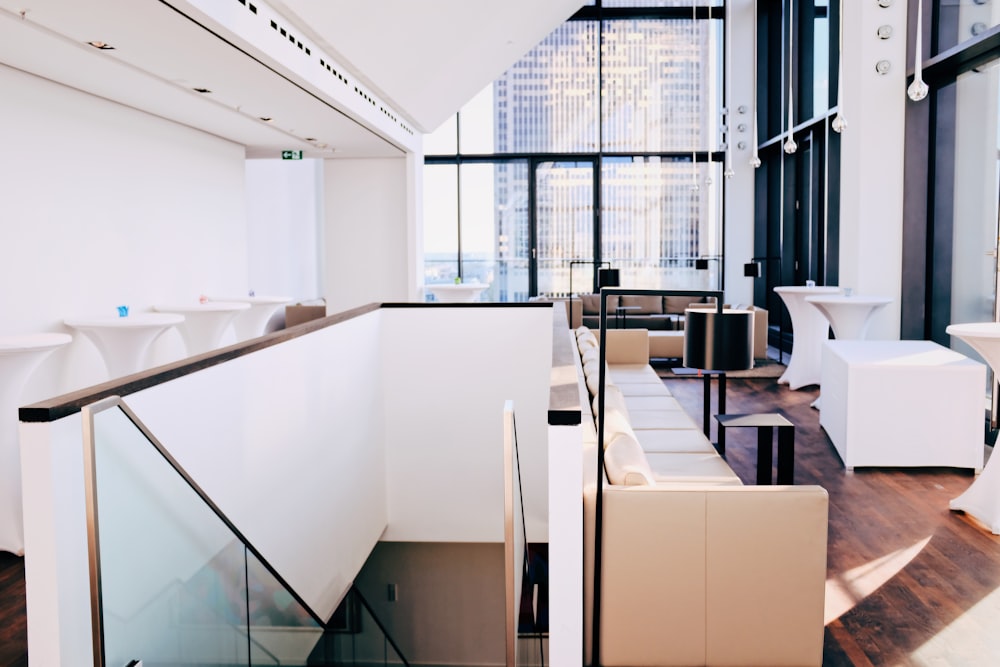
(291, 155)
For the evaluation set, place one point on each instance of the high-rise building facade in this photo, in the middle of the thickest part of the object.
(602, 141)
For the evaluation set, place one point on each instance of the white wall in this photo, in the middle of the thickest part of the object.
(284, 227)
(102, 205)
(366, 230)
(871, 169)
(450, 601)
(446, 483)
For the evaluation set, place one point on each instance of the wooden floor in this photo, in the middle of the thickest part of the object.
(910, 583)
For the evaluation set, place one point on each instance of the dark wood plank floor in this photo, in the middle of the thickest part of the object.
(910, 583)
(13, 622)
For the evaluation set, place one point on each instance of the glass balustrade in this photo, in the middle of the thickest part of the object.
(174, 582)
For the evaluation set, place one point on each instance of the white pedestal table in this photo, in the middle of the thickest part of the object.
(457, 293)
(204, 323)
(252, 322)
(810, 329)
(123, 341)
(982, 499)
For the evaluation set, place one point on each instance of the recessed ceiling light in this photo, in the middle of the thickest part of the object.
(202, 90)
(103, 46)
(266, 119)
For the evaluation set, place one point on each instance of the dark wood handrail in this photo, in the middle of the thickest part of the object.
(561, 403)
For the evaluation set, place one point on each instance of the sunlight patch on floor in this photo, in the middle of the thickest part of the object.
(971, 640)
(848, 588)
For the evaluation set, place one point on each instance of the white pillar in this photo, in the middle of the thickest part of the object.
(871, 169)
(368, 231)
(739, 202)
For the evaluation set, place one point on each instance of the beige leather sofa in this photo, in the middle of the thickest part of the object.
(666, 341)
(697, 568)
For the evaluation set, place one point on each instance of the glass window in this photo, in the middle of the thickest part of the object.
(962, 20)
(440, 224)
(821, 57)
(660, 89)
(658, 216)
(547, 102)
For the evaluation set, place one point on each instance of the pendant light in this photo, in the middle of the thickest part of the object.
(918, 89)
(839, 123)
(790, 145)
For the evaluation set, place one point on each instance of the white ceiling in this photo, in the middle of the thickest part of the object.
(428, 57)
(425, 59)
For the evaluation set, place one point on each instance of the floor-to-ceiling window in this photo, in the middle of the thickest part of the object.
(952, 147)
(797, 188)
(601, 146)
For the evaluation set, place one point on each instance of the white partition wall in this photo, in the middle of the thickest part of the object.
(451, 369)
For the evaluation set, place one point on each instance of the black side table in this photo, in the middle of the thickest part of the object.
(765, 423)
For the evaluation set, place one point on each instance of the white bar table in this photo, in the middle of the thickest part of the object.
(848, 315)
(123, 341)
(204, 323)
(252, 322)
(982, 498)
(457, 293)
(19, 357)
(810, 329)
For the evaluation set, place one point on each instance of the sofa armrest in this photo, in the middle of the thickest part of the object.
(627, 346)
(713, 575)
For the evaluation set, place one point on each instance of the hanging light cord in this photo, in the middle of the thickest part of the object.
(754, 155)
(790, 145)
(918, 89)
(839, 123)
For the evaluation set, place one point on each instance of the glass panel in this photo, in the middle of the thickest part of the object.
(547, 102)
(444, 140)
(658, 217)
(974, 200)
(172, 575)
(355, 639)
(661, 87)
(821, 60)
(495, 239)
(280, 627)
(476, 124)
(565, 217)
(961, 20)
(440, 224)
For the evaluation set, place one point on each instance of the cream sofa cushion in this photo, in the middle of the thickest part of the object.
(704, 467)
(674, 440)
(625, 463)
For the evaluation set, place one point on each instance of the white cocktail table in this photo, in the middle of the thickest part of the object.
(204, 323)
(252, 322)
(19, 357)
(982, 498)
(810, 331)
(902, 403)
(123, 341)
(457, 293)
(849, 316)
